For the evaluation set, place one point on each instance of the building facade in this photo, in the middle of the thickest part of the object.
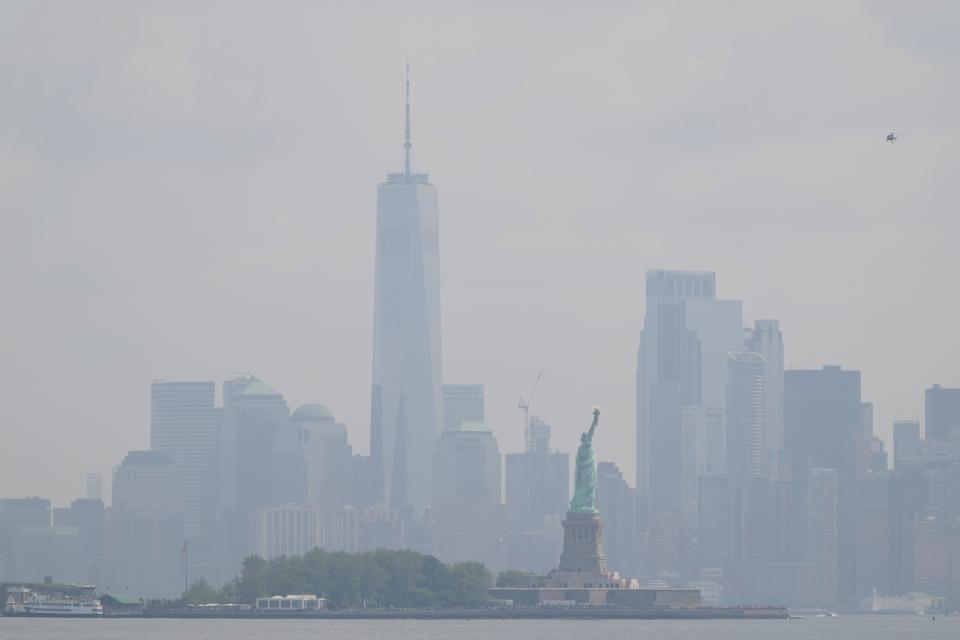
(941, 412)
(766, 339)
(406, 397)
(462, 403)
(467, 505)
(184, 424)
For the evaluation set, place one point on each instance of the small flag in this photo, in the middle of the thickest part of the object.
(183, 551)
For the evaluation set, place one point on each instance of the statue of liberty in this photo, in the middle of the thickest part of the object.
(585, 481)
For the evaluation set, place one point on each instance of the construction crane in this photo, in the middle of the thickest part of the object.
(525, 407)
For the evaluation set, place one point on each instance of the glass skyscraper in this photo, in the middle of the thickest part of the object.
(405, 396)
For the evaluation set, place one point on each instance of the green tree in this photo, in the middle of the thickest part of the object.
(253, 580)
(372, 579)
(199, 593)
(471, 584)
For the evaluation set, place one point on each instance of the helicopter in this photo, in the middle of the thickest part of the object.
(891, 137)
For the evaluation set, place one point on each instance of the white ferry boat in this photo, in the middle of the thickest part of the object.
(24, 602)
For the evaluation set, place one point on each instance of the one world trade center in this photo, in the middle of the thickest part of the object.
(405, 402)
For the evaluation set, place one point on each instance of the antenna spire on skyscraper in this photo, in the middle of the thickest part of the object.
(406, 143)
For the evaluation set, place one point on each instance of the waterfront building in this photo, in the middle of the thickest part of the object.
(462, 403)
(941, 412)
(406, 398)
(766, 339)
(145, 526)
(467, 505)
(291, 603)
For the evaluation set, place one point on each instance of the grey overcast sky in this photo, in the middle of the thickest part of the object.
(187, 189)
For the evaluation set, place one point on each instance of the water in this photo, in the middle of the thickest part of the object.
(845, 628)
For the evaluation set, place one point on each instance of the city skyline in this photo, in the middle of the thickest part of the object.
(104, 319)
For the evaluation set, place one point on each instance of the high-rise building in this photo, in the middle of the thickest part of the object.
(716, 520)
(941, 412)
(909, 500)
(95, 486)
(328, 455)
(746, 426)
(405, 405)
(906, 440)
(46, 551)
(287, 530)
(538, 435)
(766, 339)
(933, 544)
(666, 542)
(617, 504)
(467, 505)
(822, 423)
(871, 452)
(16, 513)
(681, 362)
(88, 516)
(462, 403)
(662, 345)
(183, 423)
(704, 453)
(253, 412)
(145, 530)
(537, 483)
(821, 545)
(873, 534)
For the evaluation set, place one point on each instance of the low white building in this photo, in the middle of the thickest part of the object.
(291, 603)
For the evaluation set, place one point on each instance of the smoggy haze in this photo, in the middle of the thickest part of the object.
(188, 190)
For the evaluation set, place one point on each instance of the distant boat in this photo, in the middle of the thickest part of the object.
(24, 602)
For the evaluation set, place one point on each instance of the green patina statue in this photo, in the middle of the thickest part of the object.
(585, 481)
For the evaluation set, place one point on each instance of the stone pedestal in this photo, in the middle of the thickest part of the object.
(582, 544)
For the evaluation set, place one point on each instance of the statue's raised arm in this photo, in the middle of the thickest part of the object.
(593, 427)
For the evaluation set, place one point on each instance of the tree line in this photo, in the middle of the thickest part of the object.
(381, 578)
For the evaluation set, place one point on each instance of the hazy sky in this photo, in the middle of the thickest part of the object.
(188, 190)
